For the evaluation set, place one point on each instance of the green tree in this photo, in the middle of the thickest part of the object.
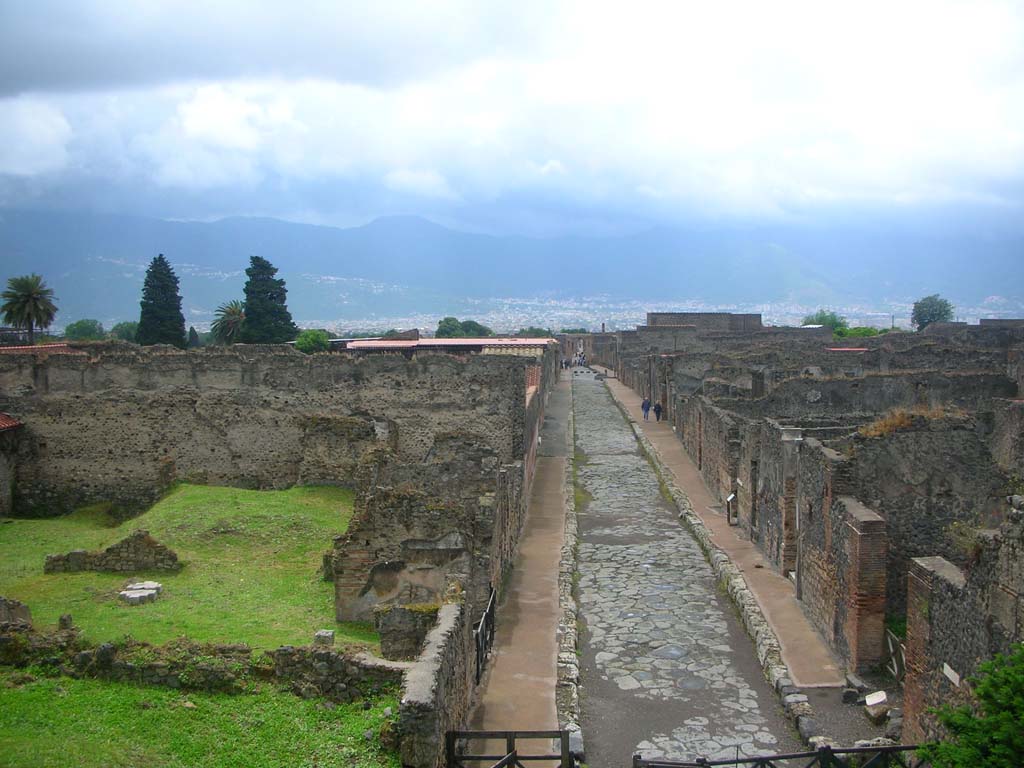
(84, 330)
(931, 309)
(161, 321)
(267, 319)
(992, 734)
(313, 340)
(194, 341)
(451, 328)
(829, 319)
(228, 321)
(125, 330)
(574, 330)
(29, 304)
(448, 328)
(533, 332)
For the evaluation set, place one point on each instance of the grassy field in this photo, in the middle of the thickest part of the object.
(93, 724)
(250, 572)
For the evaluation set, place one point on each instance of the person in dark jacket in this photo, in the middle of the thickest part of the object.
(657, 411)
(645, 406)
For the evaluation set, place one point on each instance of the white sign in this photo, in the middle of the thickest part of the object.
(949, 672)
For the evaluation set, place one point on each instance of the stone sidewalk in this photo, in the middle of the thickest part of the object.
(811, 663)
(667, 670)
(518, 691)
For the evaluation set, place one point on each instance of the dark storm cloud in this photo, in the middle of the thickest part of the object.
(49, 45)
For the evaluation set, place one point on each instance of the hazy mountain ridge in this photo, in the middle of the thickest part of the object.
(407, 265)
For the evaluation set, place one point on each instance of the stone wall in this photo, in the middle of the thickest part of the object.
(841, 573)
(7, 452)
(719, 321)
(307, 671)
(1008, 436)
(416, 524)
(403, 628)
(438, 690)
(957, 619)
(876, 393)
(136, 552)
(320, 671)
(122, 422)
(922, 480)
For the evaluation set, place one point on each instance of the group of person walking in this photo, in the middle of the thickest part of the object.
(578, 361)
(645, 406)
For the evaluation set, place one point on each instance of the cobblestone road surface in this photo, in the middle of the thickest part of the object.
(667, 671)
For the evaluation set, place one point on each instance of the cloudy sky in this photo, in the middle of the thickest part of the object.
(521, 116)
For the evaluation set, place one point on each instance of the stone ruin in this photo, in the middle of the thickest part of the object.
(137, 552)
(858, 467)
(14, 614)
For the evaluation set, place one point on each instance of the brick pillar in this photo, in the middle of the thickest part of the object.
(867, 546)
(920, 582)
(351, 571)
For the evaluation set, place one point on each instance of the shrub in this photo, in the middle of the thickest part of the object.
(313, 340)
(990, 734)
(84, 330)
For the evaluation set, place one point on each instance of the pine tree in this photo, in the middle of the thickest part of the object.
(161, 321)
(267, 319)
(193, 338)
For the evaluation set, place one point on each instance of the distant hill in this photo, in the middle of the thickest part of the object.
(405, 265)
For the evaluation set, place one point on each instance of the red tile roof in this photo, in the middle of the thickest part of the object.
(8, 422)
(36, 348)
(490, 341)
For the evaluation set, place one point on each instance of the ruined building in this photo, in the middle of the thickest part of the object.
(867, 470)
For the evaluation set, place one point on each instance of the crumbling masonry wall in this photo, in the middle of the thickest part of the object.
(121, 423)
(135, 553)
(957, 619)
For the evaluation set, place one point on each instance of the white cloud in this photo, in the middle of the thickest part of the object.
(426, 183)
(33, 137)
(654, 107)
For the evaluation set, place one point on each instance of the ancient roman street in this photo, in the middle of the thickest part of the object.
(667, 671)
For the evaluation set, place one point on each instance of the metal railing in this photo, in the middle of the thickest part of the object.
(511, 756)
(483, 635)
(896, 756)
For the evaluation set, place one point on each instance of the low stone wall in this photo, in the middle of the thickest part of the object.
(438, 690)
(137, 552)
(306, 671)
(317, 671)
(567, 689)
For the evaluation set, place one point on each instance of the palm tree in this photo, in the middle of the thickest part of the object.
(228, 325)
(28, 303)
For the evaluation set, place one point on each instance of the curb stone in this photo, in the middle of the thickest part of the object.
(766, 643)
(567, 690)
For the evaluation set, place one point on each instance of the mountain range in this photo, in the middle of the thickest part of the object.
(400, 266)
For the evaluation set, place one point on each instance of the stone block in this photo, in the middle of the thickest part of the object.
(876, 713)
(323, 637)
(138, 596)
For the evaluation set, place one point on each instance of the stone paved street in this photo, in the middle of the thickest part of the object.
(666, 669)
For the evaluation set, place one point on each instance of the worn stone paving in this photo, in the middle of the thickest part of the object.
(666, 668)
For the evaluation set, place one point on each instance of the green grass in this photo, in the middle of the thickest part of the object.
(95, 724)
(251, 568)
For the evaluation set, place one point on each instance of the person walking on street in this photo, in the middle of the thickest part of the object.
(645, 406)
(657, 411)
